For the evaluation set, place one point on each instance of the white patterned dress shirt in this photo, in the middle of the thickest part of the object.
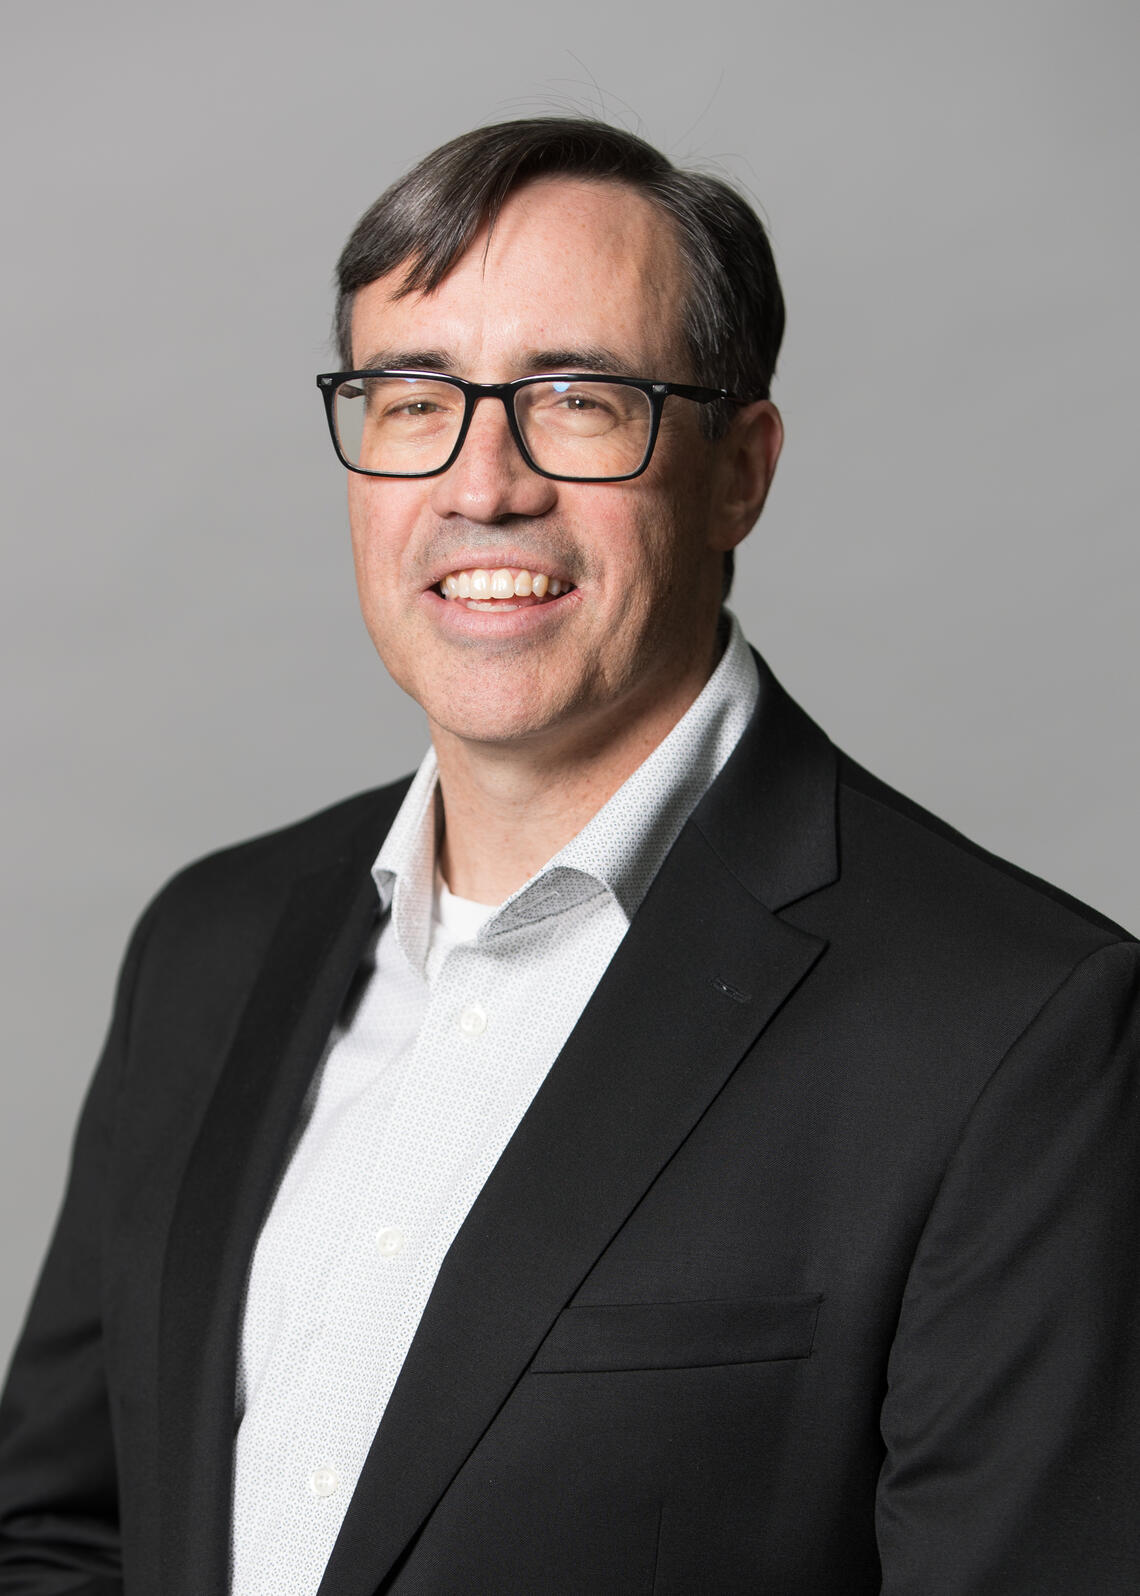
(457, 1014)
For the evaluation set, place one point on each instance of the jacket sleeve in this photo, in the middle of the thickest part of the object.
(1012, 1415)
(59, 1530)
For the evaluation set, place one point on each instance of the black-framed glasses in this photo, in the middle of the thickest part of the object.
(573, 428)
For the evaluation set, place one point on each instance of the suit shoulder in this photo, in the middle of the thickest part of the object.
(273, 861)
(937, 871)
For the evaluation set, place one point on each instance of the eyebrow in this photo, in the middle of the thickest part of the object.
(589, 357)
(408, 360)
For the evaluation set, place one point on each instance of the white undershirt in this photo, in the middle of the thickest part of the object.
(453, 920)
(457, 1013)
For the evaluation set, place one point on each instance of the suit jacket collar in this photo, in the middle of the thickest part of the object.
(706, 963)
(771, 816)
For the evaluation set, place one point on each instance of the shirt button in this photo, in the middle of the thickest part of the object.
(323, 1481)
(389, 1240)
(473, 1020)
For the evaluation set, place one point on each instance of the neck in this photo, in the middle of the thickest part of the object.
(508, 809)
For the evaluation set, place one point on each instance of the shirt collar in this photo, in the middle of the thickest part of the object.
(619, 850)
(404, 870)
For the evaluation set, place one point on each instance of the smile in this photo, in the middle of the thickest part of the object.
(504, 589)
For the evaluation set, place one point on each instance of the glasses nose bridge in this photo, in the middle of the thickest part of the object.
(473, 393)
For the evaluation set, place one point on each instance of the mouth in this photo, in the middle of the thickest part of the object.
(508, 588)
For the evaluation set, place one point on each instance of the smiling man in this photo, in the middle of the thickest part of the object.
(641, 1152)
(541, 701)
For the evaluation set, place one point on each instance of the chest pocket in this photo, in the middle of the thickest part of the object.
(678, 1335)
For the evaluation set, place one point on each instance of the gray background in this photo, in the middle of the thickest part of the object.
(946, 574)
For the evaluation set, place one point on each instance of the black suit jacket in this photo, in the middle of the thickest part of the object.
(811, 1269)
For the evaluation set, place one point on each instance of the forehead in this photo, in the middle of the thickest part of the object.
(569, 266)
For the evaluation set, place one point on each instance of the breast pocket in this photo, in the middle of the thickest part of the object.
(678, 1335)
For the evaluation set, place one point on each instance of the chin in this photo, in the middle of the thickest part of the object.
(483, 707)
(493, 730)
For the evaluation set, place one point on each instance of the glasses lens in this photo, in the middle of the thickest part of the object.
(397, 426)
(584, 427)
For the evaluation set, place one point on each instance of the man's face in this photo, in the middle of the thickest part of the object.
(576, 273)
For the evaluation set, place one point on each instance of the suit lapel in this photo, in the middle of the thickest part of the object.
(229, 1180)
(702, 970)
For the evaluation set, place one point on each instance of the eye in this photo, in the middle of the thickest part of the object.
(572, 400)
(414, 407)
(577, 400)
(405, 401)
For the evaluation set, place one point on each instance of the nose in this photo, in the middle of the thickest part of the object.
(490, 480)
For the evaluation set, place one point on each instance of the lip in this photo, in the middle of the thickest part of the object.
(454, 619)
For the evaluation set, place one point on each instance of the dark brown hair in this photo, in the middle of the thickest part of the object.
(733, 316)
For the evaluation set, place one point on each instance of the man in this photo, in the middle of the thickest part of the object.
(644, 1153)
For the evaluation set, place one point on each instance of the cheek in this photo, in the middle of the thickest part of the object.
(634, 522)
(380, 516)
(377, 583)
(659, 538)
(361, 521)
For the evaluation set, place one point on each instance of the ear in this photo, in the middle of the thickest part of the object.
(746, 464)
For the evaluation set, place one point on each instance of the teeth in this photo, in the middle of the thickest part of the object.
(490, 589)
